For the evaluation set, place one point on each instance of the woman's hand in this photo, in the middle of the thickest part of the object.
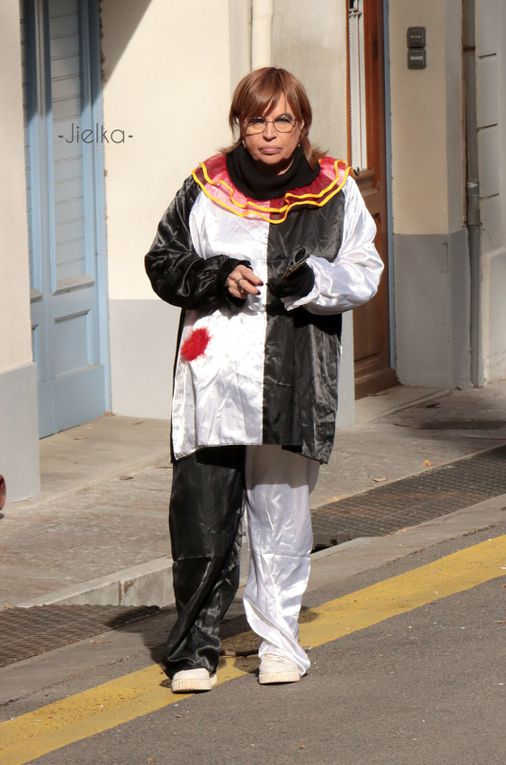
(242, 282)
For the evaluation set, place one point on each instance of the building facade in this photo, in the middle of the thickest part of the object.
(106, 107)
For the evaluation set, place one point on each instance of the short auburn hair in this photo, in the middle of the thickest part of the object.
(259, 91)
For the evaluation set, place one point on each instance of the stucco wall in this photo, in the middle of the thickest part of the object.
(428, 183)
(165, 85)
(313, 46)
(239, 39)
(491, 121)
(427, 120)
(18, 411)
(15, 340)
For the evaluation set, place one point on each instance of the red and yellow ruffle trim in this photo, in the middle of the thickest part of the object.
(214, 180)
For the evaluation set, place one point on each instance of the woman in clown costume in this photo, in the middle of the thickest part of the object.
(263, 247)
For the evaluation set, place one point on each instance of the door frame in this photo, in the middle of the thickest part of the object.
(378, 136)
(90, 15)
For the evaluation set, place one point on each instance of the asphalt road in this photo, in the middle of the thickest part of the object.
(425, 683)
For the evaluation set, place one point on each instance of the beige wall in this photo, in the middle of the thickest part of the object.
(15, 328)
(168, 89)
(431, 267)
(427, 120)
(239, 39)
(313, 46)
(491, 121)
(19, 460)
(167, 83)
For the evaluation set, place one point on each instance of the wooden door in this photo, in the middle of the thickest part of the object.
(373, 371)
(64, 177)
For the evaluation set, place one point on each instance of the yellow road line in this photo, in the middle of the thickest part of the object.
(108, 705)
(454, 573)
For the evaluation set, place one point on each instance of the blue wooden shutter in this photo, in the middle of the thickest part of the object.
(66, 214)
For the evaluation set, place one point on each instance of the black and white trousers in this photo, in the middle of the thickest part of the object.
(211, 489)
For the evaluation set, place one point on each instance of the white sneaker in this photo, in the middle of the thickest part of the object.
(277, 669)
(197, 679)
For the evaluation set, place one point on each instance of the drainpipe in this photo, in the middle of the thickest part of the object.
(261, 32)
(472, 188)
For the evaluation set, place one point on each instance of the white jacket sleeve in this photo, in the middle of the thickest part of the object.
(353, 277)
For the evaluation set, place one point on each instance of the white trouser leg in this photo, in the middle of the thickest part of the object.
(278, 485)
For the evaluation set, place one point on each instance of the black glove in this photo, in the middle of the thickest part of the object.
(295, 285)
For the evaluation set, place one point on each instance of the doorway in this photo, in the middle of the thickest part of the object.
(64, 174)
(366, 103)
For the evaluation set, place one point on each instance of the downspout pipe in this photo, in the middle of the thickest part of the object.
(472, 189)
(261, 32)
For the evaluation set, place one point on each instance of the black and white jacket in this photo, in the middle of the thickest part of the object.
(263, 370)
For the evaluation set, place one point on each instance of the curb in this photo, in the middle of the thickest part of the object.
(147, 584)
(341, 562)
(150, 583)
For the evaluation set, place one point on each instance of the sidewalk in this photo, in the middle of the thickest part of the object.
(98, 532)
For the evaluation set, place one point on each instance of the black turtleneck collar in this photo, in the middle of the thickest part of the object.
(258, 185)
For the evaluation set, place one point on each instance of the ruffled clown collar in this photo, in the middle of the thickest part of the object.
(214, 179)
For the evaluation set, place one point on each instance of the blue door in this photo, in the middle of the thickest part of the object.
(66, 210)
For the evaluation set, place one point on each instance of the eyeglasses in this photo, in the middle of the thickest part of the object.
(283, 124)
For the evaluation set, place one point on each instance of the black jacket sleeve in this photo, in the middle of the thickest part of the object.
(176, 271)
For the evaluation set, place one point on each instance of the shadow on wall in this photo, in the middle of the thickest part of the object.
(124, 16)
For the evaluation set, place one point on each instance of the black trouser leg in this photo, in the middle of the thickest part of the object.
(205, 513)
